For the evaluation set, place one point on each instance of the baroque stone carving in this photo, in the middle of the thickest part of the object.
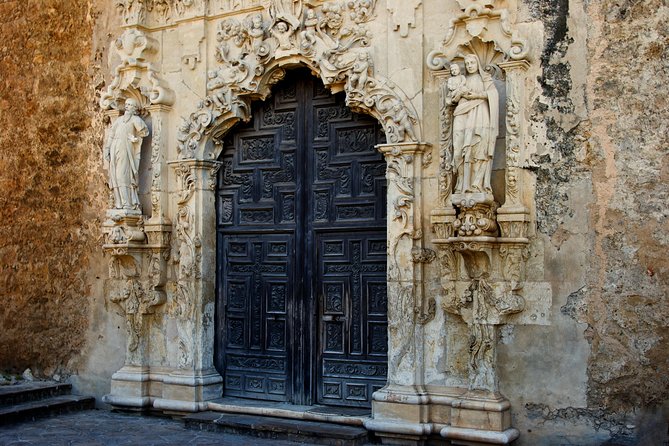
(122, 152)
(482, 247)
(136, 12)
(137, 274)
(322, 36)
(135, 77)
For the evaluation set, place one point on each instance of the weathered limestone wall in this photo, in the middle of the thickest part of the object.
(53, 192)
(600, 371)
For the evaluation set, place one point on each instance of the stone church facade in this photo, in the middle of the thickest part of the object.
(448, 212)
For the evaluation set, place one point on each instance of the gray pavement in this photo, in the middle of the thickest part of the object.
(104, 428)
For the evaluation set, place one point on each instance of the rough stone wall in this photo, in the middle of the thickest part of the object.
(602, 195)
(49, 223)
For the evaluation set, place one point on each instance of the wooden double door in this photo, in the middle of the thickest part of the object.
(301, 221)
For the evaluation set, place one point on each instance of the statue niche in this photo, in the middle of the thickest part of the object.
(122, 152)
(470, 111)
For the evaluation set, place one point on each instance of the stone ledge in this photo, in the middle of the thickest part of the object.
(475, 437)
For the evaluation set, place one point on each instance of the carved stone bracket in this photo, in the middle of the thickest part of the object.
(331, 39)
(138, 254)
(482, 279)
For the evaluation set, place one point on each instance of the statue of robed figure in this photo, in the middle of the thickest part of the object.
(475, 129)
(122, 151)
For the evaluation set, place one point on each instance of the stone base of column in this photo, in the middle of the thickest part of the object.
(400, 415)
(189, 391)
(130, 389)
(174, 392)
(480, 419)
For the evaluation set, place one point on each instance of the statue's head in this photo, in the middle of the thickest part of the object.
(455, 69)
(131, 106)
(471, 63)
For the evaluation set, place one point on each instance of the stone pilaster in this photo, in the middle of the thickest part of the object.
(400, 408)
(194, 380)
(513, 217)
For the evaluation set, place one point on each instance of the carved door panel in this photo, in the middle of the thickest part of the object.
(302, 251)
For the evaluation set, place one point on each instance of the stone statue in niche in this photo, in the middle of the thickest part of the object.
(122, 151)
(475, 128)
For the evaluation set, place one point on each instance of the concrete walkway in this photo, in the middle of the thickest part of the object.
(104, 428)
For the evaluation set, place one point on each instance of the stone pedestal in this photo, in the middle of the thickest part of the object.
(478, 419)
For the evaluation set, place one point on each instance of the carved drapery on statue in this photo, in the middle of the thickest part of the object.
(122, 151)
(332, 39)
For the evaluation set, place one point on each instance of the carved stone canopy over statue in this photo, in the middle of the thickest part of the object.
(122, 151)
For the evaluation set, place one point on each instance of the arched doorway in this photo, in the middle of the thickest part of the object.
(301, 236)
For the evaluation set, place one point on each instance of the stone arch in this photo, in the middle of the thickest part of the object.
(343, 67)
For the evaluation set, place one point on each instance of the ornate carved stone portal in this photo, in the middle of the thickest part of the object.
(188, 70)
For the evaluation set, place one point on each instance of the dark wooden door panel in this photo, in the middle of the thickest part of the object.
(302, 251)
(353, 322)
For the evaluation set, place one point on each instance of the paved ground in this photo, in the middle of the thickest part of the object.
(104, 428)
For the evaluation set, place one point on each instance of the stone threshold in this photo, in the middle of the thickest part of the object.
(327, 414)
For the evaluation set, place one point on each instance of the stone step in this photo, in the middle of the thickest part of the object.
(32, 391)
(279, 428)
(47, 407)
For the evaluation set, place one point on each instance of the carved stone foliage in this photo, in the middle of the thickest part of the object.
(137, 274)
(135, 77)
(332, 39)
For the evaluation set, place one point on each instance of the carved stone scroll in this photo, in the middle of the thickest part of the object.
(135, 77)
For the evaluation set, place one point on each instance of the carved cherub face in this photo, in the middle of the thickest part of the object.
(471, 64)
(282, 27)
(455, 69)
(257, 21)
